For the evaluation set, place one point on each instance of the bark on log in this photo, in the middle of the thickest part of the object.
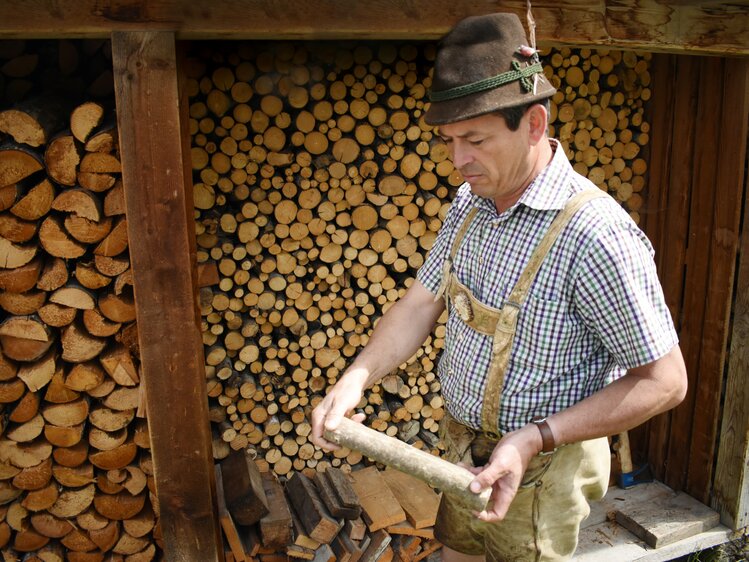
(434, 471)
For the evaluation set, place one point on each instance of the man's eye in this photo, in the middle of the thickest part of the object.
(476, 142)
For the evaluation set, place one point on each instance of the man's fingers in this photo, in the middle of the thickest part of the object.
(501, 498)
(486, 478)
(332, 421)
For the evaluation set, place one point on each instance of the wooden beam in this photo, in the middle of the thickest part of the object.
(158, 196)
(731, 485)
(700, 26)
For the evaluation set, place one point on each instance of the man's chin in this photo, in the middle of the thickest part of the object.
(478, 188)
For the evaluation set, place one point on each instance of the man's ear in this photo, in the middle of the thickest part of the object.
(538, 121)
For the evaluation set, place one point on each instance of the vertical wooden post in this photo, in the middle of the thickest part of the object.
(158, 197)
(731, 485)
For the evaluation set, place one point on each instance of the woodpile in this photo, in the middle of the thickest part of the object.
(598, 113)
(75, 468)
(318, 191)
(326, 516)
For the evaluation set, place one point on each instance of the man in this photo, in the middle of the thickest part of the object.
(557, 333)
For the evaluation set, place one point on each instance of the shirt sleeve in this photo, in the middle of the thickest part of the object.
(619, 296)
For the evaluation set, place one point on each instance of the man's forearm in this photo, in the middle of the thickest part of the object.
(641, 394)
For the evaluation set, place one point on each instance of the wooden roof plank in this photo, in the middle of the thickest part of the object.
(704, 26)
(160, 234)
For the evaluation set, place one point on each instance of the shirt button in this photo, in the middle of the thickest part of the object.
(481, 259)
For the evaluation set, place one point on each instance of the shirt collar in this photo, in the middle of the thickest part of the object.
(548, 191)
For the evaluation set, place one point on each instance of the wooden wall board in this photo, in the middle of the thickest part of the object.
(694, 297)
(702, 26)
(668, 225)
(696, 191)
(153, 172)
(731, 484)
(727, 153)
(650, 441)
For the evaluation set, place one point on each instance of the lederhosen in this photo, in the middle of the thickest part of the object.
(501, 322)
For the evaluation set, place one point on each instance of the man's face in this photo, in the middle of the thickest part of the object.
(492, 159)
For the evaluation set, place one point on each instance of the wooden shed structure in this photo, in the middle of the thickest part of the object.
(696, 211)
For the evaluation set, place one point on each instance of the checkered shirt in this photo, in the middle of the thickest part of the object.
(595, 309)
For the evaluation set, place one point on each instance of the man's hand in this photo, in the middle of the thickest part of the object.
(505, 470)
(341, 400)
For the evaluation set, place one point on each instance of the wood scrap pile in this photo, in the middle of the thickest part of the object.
(367, 515)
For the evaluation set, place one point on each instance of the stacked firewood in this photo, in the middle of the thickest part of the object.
(75, 469)
(319, 190)
(367, 516)
(598, 113)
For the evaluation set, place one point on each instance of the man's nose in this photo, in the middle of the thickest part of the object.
(461, 154)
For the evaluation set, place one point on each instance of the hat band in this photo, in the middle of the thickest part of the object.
(518, 73)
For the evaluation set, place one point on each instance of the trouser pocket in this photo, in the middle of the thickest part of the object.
(457, 439)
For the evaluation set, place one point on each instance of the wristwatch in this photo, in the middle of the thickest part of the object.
(547, 437)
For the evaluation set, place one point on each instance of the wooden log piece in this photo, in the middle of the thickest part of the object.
(434, 471)
(316, 520)
(243, 488)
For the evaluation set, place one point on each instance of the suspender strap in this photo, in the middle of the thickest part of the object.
(447, 266)
(504, 333)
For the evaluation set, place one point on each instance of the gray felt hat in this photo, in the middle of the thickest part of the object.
(483, 65)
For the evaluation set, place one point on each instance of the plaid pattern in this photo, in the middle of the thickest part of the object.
(595, 309)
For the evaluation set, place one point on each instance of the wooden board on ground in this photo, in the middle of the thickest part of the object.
(243, 488)
(406, 528)
(345, 549)
(343, 488)
(310, 509)
(406, 547)
(331, 498)
(380, 540)
(418, 500)
(355, 528)
(227, 523)
(324, 554)
(380, 507)
(276, 526)
(677, 518)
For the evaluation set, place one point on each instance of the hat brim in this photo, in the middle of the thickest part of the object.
(481, 103)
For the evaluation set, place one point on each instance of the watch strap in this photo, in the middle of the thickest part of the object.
(547, 436)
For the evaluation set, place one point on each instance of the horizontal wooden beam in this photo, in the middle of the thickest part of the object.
(698, 26)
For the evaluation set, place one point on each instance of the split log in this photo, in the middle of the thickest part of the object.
(33, 121)
(36, 202)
